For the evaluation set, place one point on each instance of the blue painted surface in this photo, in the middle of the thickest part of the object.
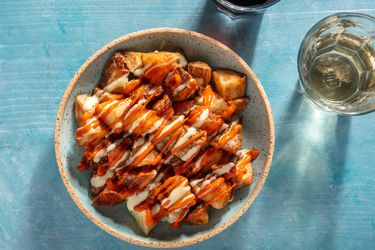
(320, 192)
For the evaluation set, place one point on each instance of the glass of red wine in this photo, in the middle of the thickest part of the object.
(237, 8)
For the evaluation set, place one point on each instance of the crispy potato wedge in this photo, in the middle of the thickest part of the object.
(91, 133)
(163, 107)
(107, 198)
(133, 60)
(198, 216)
(181, 85)
(114, 69)
(80, 101)
(229, 84)
(239, 104)
(201, 72)
(243, 169)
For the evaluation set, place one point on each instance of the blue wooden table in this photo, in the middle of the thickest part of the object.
(320, 192)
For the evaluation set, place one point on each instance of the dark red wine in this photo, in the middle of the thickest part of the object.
(246, 3)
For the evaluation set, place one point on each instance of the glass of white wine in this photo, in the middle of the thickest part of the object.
(336, 63)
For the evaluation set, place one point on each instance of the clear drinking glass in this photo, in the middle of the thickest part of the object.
(237, 8)
(336, 63)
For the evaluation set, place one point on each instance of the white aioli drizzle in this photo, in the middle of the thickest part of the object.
(90, 103)
(117, 83)
(201, 118)
(190, 153)
(189, 133)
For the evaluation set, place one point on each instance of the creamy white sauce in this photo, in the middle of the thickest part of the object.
(176, 194)
(224, 169)
(205, 192)
(146, 68)
(117, 83)
(111, 147)
(99, 181)
(155, 209)
(103, 152)
(173, 216)
(132, 109)
(189, 133)
(194, 183)
(200, 100)
(90, 103)
(199, 161)
(120, 109)
(136, 123)
(155, 127)
(182, 61)
(106, 107)
(190, 153)
(140, 141)
(116, 112)
(201, 118)
(168, 160)
(122, 160)
(117, 125)
(168, 127)
(241, 153)
(139, 152)
(136, 199)
(170, 74)
(153, 90)
(139, 71)
(180, 88)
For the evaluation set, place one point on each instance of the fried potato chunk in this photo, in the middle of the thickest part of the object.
(133, 60)
(136, 61)
(201, 72)
(239, 104)
(230, 85)
(107, 198)
(114, 69)
(198, 216)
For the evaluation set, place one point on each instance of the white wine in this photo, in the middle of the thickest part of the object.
(337, 65)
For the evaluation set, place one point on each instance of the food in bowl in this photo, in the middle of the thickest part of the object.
(164, 135)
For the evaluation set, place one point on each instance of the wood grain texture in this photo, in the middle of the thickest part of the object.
(320, 192)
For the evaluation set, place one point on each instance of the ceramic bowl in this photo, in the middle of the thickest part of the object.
(258, 132)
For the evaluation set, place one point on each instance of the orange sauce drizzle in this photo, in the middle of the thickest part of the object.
(158, 137)
(83, 130)
(189, 141)
(233, 130)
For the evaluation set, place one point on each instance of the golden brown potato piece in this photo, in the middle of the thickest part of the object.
(114, 69)
(91, 133)
(164, 56)
(217, 193)
(214, 102)
(163, 107)
(201, 72)
(133, 60)
(85, 108)
(107, 198)
(80, 101)
(181, 85)
(198, 216)
(229, 84)
(244, 172)
(239, 104)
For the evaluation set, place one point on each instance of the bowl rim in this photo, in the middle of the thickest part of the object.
(197, 238)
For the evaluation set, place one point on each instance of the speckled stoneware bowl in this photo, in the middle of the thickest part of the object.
(258, 132)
